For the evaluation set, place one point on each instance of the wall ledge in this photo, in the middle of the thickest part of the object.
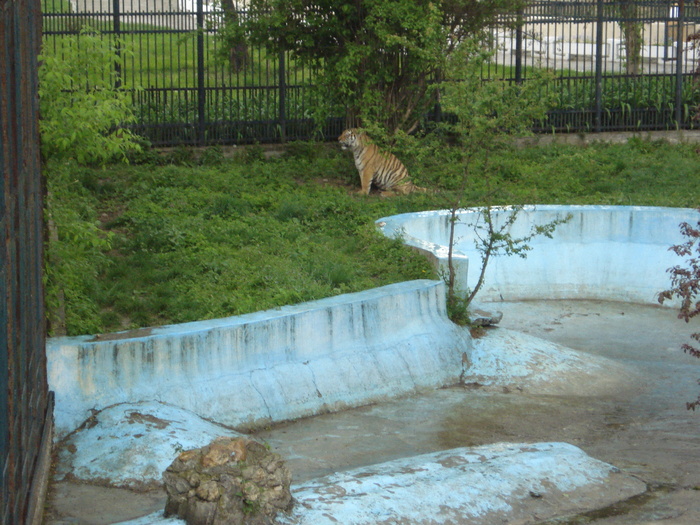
(612, 253)
(270, 366)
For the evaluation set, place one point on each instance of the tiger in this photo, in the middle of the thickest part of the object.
(377, 167)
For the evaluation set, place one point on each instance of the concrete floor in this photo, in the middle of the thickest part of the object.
(643, 429)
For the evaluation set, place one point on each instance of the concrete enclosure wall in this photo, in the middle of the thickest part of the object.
(618, 253)
(356, 349)
(268, 366)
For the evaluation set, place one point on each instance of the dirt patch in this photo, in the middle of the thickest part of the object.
(148, 420)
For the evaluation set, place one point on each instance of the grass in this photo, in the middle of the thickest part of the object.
(192, 240)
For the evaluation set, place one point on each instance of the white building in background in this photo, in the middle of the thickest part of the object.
(568, 45)
(176, 14)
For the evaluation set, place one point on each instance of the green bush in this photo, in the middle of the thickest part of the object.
(76, 253)
(82, 109)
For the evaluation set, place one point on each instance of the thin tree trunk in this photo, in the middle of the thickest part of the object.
(632, 33)
(238, 52)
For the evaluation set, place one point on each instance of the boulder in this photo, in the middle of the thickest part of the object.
(230, 481)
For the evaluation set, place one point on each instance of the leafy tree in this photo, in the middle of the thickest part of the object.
(685, 285)
(235, 49)
(377, 58)
(489, 116)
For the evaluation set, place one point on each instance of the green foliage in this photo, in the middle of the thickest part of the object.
(202, 242)
(490, 113)
(81, 109)
(377, 58)
(621, 93)
(75, 253)
(640, 172)
(378, 61)
(458, 309)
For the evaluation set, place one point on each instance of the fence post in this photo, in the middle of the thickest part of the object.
(116, 19)
(519, 48)
(201, 93)
(282, 98)
(598, 123)
(679, 64)
(26, 412)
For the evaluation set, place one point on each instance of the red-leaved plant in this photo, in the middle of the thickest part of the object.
(685, 282)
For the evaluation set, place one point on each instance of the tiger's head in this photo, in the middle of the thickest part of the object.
(350, 139)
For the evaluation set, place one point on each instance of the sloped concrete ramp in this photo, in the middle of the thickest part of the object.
(505, 358)
(500, 483)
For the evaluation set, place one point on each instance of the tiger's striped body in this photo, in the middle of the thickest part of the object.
(377, 167)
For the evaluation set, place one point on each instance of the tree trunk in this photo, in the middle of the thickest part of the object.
(238, 51)
(632, 33)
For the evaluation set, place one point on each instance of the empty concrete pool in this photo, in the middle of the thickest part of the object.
(577, 395)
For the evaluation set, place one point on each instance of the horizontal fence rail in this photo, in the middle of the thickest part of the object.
(618, 65)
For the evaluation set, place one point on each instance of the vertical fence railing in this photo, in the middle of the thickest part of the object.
(25, 402)
(282, 97)
(519, 49)
(172, 50)
(117, 39)
(598, 126)
(201, 92)
(679, 64)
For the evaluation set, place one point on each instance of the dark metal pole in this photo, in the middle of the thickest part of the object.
(117, 46)
(679, 64)
(201, 93)
(519, 49)
(599, 67)
(282, 98)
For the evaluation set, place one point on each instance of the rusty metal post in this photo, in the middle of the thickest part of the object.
(25, 403)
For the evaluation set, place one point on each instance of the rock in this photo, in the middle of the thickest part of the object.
(506, 359)
(480, 316)
(230, 481)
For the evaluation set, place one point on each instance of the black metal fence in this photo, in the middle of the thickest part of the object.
(25, 402)
(189, 92)
(619, 65)
(192, 90)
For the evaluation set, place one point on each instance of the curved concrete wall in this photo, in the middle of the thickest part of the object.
(618, 253)
(274, 365)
